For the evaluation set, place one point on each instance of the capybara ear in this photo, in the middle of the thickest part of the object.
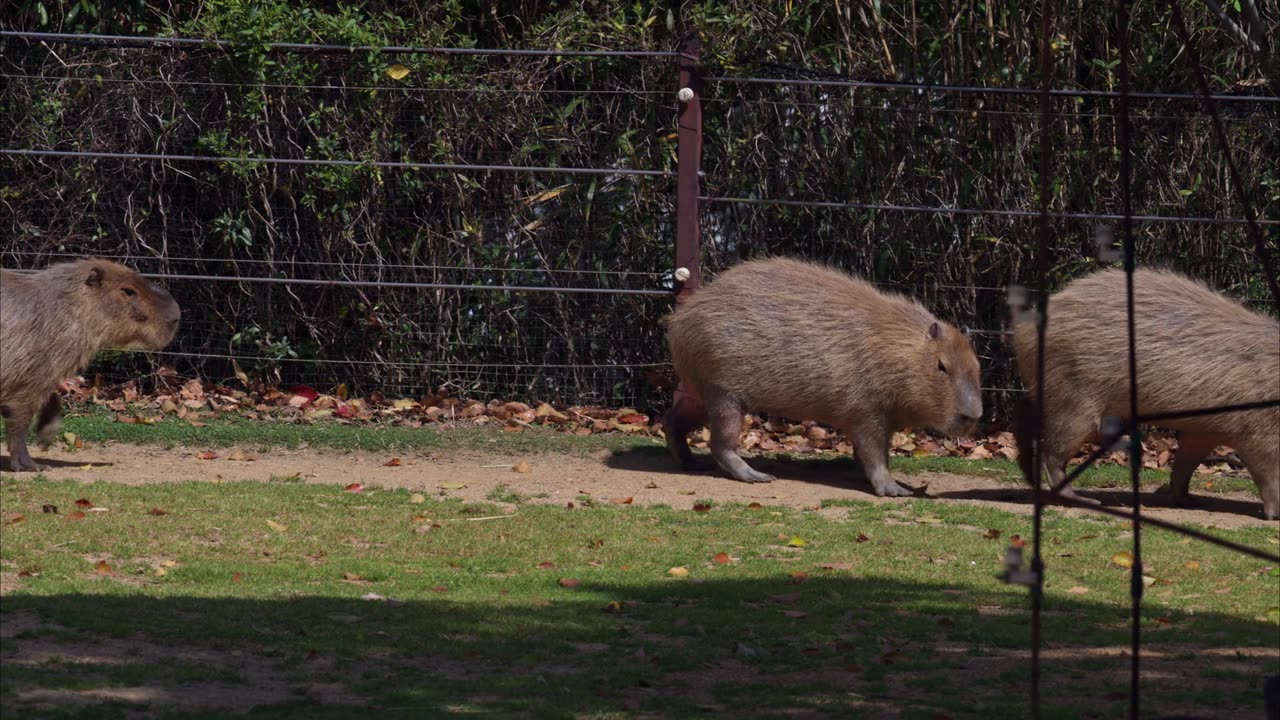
(934, 331)
(95, 277)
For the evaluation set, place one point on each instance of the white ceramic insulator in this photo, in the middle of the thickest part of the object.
(682, 274)
(685, 94)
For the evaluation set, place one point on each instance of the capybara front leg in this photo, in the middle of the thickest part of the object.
(685, 414)
(1192, 448)
(49, 422)
(873, 451)
(726, 426)
(17, 423)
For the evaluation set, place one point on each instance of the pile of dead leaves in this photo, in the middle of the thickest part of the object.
(196, 401)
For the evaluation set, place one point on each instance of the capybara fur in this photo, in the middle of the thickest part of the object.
(53, 322)
(808, 342)
(1196, 349)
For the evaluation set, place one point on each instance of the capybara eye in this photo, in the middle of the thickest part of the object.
(129, 292)
(942, 368)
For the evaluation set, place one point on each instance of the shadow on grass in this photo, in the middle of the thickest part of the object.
(5, 465)
(831, 646)
(1117, 498)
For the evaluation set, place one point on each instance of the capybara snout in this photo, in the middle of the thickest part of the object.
(152, 313)
(808, 342)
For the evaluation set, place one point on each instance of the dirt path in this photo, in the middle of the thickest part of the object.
(646, 475)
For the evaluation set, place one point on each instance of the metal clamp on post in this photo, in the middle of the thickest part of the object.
(1013, 572)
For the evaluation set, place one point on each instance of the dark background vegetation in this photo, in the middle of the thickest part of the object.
(789, 142)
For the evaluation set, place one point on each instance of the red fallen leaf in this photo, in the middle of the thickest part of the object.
(352, 577)
(722, 558)
(755, 506)
(305, 391)
(1162, 621)
(27, 573)
(393, 462)
(208, 455)
(13, 518)
(569, 582)
(49, 509)
(992, 534)
(84, 504)
(797, 577)
(440, 588)
(701, 508)
(344, 412)
(569, 505)
(103, 568)
(236, 577)
(1017, 541)
(836, 566)
(353, 488)
(621, 501)
(795, 613)
(546, 566)
(76, 515)
(862, 538)
(157, 512)
(636, 419)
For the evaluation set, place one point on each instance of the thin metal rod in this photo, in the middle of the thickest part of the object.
(1042, 323)
(415, 285)
(1135, 437)
(90, 38)
(977, 211)
(1200, 412)
(1237, 185)
(1176, 528)
(424, 364)
(982, 89)
(342, 163)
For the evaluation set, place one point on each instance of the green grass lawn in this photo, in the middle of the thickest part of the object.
(256, 590)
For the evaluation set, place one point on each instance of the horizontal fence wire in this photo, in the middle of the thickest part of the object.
(146, 41)
(389, 164)
(978, 211)
(981, 89)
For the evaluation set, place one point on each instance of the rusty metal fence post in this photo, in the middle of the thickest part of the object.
(688, 268)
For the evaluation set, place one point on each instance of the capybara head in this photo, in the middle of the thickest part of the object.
(140, 315)
(952, 379)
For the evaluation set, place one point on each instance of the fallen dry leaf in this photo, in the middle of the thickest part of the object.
(862, 538)
(417, 498)
(755, 506)
(836, 566)
(722, 558)
(393, 462)
(678, 572)
(103, 568)
(49, 508)
(157, 512)
(1193, 565)
(13, 518)
(569, 582)
(452, 485)
(521, 467)
(795, 613)
(76, 515)
(796, 542)
(83, 504)
(1123, 559)
(621, 501)
(1077, 590)
(354, 488)
(546, 566)
(701, 507)
(207, 455)
(276, 526)
(992, 534)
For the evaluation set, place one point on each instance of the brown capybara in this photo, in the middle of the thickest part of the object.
(1196, 349)
(53, 322)
(805, 341)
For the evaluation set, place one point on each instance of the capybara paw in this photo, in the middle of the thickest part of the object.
(755, 476)
(893, 489)
(28, 466)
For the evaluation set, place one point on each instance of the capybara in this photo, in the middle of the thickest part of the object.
(53, 322)
(809, 342)
(1195, 349)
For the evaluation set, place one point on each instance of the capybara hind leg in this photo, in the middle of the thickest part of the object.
(873, 452)
(1263, 461)
(1065, 431)
(1192, 448)
(725, 417)
(49, 422)
(685, 414)
(17, 423)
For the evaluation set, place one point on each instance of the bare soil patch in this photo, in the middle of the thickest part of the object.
(645, 476)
